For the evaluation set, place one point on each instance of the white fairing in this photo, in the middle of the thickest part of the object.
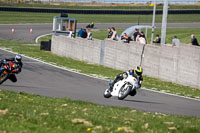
(130, 79)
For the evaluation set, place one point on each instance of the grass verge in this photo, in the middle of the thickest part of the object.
(25, 17)
(100, 6)
(44, 38)
(96, 70)
(22, 112)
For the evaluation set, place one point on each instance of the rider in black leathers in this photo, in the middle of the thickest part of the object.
(15, 68)
(137, 72)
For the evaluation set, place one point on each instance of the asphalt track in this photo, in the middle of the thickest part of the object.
(22, 31)
(46, 80)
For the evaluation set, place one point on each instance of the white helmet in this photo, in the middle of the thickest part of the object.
(18, 58)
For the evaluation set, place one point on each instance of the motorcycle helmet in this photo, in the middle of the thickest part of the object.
(138, 70)
(18, 58)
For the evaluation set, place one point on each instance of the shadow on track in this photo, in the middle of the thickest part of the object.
(23, 86)
(138, 101)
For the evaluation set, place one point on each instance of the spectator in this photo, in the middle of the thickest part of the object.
(140, 38)
(157, 40)
(80, 32)
(89, 35)
(126, 38)
(137, 38)
(194, 40)
(135, 34)
(109, 33)
(114, 34)
(142, 34)
(175, 41)
(63, 28)
(84, 33)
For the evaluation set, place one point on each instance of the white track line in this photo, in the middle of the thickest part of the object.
(97, 77)
(36, 40)
(31, 62)
(171, 94)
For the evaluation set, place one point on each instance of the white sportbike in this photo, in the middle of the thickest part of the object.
(123, 88)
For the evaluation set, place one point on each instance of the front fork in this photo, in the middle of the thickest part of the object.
(128, 85)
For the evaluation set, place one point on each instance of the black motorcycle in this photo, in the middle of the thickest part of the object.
(6, 72)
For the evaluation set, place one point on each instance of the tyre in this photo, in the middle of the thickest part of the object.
(3, 76)
(107, 94)
(13, 78)
(133, 92)
(124, 92)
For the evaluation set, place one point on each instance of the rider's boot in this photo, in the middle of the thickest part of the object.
(111, 87)
(118, 77)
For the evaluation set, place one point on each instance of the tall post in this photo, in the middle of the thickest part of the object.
(164, 22)
(138, 20)
(54, 25)
(153, 21)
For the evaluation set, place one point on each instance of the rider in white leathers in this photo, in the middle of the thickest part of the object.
(137, 72)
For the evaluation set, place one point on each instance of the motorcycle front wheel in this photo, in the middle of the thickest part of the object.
(3, 76)
(124, 92)
(133, 92)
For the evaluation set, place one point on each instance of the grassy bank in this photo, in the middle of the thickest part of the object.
(24, 17)
(97, 70)
(99, 6)
(21, 112)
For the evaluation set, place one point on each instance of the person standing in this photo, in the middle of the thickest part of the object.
(135, 34)
(175, 41)
(114, 35)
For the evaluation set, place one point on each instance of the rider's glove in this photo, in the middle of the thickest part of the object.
(125, 75)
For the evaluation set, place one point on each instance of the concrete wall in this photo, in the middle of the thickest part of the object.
(179, 65)
(79, 49)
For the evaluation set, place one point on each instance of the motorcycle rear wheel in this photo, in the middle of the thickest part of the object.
(124, 92)
(3, 76)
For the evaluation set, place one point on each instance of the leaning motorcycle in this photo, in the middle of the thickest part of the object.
(6, 71)
(123, 88)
